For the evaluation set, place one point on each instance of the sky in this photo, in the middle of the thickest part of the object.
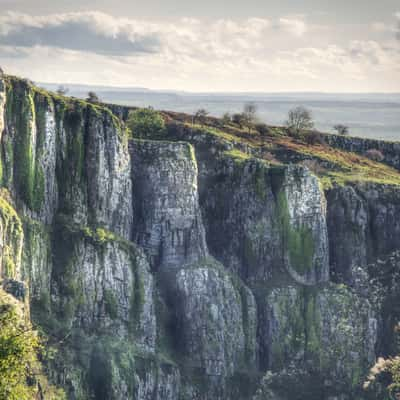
(207, 45)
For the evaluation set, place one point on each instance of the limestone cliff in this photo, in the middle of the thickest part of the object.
(207, 265)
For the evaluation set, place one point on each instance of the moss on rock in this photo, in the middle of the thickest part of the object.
(298, 242)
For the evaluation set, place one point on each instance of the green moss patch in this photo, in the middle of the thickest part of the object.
(298, 242)
(13, 234)
(26, 113)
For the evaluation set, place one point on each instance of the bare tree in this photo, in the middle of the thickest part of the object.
(201, 115)
(341, 129)
(249, 115)
(93, 98)
(300, 118)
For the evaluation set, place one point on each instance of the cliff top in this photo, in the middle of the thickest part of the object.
(334, 159)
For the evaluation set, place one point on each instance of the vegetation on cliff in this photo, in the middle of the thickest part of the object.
(21, 373)
(145, 123)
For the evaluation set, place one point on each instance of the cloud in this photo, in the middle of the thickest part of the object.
(13, 52)
(101, 33)
(295, 26)
(193, 54)
(92, 32)
(370, 51)
(391, 29)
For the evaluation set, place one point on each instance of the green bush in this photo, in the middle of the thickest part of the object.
(262, 129)
(146, 123)
(313, 137)
(18, 347)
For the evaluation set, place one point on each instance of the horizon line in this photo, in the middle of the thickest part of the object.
(210, 92)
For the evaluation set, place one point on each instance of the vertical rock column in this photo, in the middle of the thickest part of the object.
(168, 222)
(2, 106)
(108, 168)
(302, 217)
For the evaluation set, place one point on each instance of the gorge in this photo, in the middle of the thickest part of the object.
(208, 263)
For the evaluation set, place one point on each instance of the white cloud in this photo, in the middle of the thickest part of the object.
(295, 26)
(92, 31)
(104, 34)
(255, 54)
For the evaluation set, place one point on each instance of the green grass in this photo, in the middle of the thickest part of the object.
(237, 155)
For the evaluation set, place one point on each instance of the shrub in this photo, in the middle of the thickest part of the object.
(18, 347)
(296, 134)
(314, 137)
(175, 129)
(226, 119)
(385, 373)
(93, 98)
(201, 116)
(238, 119)
(145, 123)
(341, 129)
(375, 155)
(62, 90)
(262, 129)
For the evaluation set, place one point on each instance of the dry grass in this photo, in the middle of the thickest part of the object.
(343, 166)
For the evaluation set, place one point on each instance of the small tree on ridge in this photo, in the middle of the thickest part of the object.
(341, 129)
(300, 118)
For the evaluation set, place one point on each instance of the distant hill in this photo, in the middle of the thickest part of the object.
(372, 115)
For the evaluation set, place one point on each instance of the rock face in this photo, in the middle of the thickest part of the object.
(261, 219)
(168, 222)
(185, 270)
(104, 285)
(310, 328)
(108, 168)
(363, 224)
(218, 325)
(304, 226)
(2, 103)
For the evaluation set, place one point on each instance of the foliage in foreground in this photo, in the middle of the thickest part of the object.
(18, 347)
(21, 375)
(384, 377)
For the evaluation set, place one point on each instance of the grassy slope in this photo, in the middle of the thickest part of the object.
(330, 164)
